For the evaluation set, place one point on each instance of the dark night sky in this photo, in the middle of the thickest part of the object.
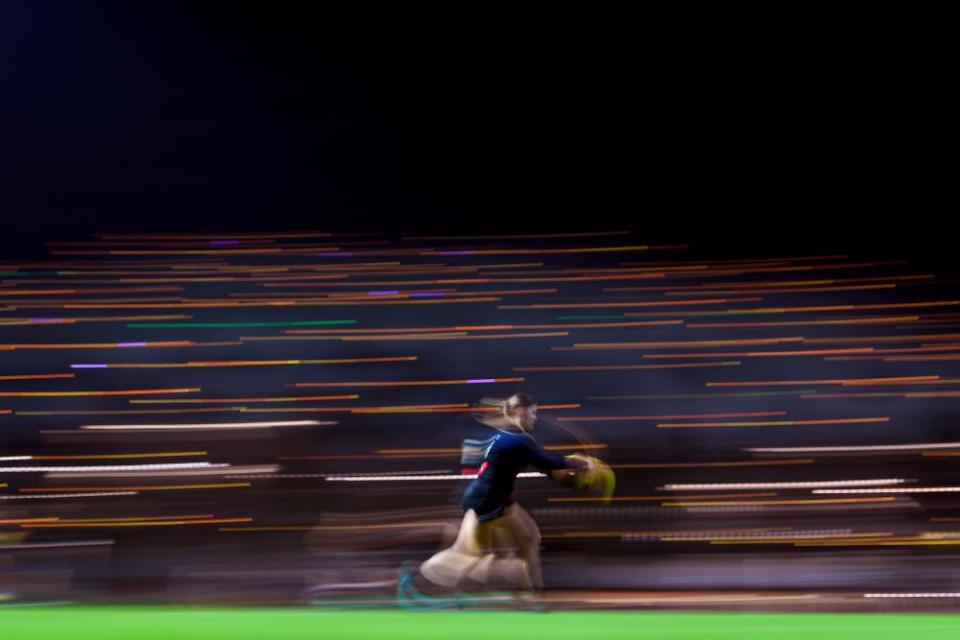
(143, 116)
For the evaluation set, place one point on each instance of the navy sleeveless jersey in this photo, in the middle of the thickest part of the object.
(501, 458)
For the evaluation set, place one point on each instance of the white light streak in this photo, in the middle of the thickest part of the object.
(464, 476)
(784, 485)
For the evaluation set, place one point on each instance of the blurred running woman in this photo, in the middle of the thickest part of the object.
(492, 520)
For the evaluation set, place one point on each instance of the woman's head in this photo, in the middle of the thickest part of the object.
(520, 410)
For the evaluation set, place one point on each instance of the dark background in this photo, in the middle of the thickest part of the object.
(741, 130)
(743, 133)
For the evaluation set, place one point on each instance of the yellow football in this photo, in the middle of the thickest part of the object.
(597, 479)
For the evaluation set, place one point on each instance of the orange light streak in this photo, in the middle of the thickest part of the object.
(784, 423)
(162, 487)
(628, 367)
(401, 383)
(605, 305)
(129, 392)
(753, 414)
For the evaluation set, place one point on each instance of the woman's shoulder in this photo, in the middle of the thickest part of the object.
(517, 437)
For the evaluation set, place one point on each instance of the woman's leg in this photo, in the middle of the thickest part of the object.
(472, 556)
(448, 567)
(525, 534)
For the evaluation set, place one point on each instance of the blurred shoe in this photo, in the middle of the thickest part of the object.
(409, 597)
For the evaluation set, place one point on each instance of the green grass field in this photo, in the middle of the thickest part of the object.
(186, 623)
